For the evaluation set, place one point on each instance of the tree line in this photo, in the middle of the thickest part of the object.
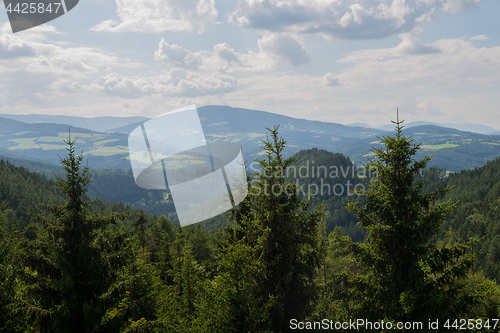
(272, 268)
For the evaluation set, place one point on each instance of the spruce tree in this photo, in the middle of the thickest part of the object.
(281, 228)
(73, 261)
(407, 276)
(9, 270)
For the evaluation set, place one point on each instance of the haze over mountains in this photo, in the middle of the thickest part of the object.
(475, 128)
(104, 140)
(98, 124)
(127, 124)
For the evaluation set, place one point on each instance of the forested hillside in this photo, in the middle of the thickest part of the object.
(90, 266)
(111, 185)
(331, 179)
(22, 192)
(477, 214)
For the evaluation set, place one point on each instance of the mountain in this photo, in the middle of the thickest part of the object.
(126, 129)
(44, 142)
(111, 185)
(360, 125)
(21, 129)
(453, 150)
(221, 123)
(97, 124)
(474, 128)
(22, 190)
(477, 193)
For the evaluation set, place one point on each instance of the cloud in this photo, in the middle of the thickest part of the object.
(177, 82)
(154, 16)
(192, 74)
(60, 64)
(428, 109)
(343, 19)
(285, 48)
(224, 52)
(35, 69)
(177, 55)
(39, 34)
(455, 6)
(458, 65)
(480, 37)
(411, 45)
(13, 47)
(274, 51)
(330, 79)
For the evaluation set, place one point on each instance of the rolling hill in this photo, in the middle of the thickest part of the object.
(97, 124)
(453, 149)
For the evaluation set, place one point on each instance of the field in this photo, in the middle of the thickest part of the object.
(440, 146)
(91, 143)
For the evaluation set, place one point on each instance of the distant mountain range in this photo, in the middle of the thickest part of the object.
(97, 124)
(127, 124)
(474, 128)
(104, 140)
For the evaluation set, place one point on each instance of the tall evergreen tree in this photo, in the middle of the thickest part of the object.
(9, 244)
(283, 231)
(407, 277)
(73, 261)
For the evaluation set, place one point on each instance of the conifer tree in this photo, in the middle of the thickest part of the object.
(278, 224)
(8, 272)
(408, 277)
(73, 261)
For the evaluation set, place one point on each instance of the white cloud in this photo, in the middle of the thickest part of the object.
(13, 47)
(480, 37)
(423, 84)
(35, 69)
(177, 82)
(177, 55)
(428, 109)
(38, 34)
(343, 19)
(459, 62)
(224, 52)
(59, 64)
(285, 49)
(330, 79)
(411, 44)
(455, 6)
(203, 73)
(274, 51)
(154, 16)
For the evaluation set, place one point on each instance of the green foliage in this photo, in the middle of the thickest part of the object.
(281, 229)
(21, 191)
(407, 278)
(8, 273)
(331, 179)
(478, 213)
(71, 269)
(73, 260)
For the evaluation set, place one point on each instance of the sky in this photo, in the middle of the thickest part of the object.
(341, 61)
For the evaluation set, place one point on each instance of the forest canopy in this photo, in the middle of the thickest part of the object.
(401, 250)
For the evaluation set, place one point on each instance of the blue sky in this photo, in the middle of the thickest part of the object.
(341, 61)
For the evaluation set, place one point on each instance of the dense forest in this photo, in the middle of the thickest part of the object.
(335, 247)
